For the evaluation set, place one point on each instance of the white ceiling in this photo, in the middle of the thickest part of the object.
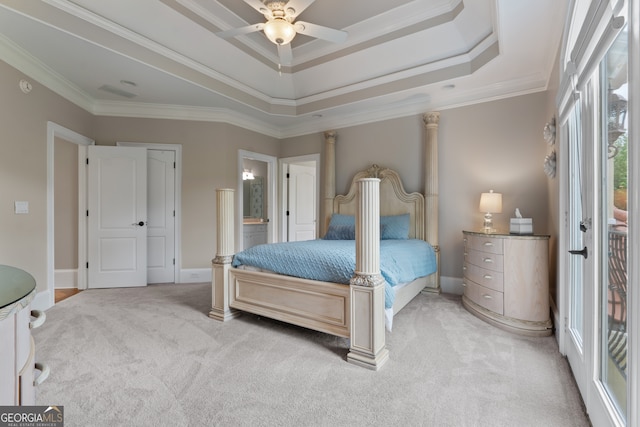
(401, 57)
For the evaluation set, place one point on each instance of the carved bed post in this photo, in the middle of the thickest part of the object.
(329, 177)
(224, 255)
(368, 348)
(431, 121)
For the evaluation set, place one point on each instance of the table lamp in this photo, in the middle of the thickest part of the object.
(490, 203)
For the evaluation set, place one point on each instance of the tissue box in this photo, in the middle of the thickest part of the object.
(521, 226)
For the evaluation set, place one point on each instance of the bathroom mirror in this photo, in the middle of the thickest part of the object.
(253, 200)
(253, 191)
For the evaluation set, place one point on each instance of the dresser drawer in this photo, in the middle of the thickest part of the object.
(488, 278)
(486, 260)
(483, 243)
(484, 297)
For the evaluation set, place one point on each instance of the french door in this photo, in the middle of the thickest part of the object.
(597, 330)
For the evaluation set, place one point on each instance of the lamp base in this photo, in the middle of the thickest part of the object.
(487, 227)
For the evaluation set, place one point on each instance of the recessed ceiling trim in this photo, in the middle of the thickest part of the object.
(100, 32)
(127, 43)
(208, 21)
(181, 112)
(353, 46)
(441, 70)
(21, 60)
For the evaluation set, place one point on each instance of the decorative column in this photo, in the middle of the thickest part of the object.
(221, 264)
(431, 121)
(329, 178)
(368, 348)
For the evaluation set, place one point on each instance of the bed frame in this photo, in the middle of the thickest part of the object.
(355, 311)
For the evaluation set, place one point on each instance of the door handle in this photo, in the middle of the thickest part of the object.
(584, 252)
(141, 223)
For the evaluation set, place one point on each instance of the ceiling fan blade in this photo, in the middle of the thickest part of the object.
(239, 31)
(320, 32)
(260, 7)
(296, 7)
(285, 54)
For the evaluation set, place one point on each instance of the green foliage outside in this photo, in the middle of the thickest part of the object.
(620, 164)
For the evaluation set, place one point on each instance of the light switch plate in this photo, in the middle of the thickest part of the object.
(21, 207)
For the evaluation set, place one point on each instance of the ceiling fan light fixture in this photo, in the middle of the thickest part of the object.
(279, 31)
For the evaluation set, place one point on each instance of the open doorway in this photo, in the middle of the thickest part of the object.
(255, 202)
(74, 144)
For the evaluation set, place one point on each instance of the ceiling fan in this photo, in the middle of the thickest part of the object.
(280, 27)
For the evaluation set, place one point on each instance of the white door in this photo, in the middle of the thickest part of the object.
(161, 216)
(117, 216)
(302, 203)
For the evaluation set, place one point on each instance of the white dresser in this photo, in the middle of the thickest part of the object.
(17, 353)
(506, 281)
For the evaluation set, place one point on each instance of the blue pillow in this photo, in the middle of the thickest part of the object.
(394, 227)
(341, 232)
(341, 219)
(341, 227)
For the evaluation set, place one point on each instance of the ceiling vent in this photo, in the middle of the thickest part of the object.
(117, 91)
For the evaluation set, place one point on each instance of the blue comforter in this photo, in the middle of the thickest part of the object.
(334, 261)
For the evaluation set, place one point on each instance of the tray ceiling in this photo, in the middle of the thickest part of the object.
(162, 58)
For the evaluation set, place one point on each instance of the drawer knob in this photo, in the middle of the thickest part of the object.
(487, 296)
(488, 260)
(488, 276)
(38, 319)
(44, 373)
(488, 243)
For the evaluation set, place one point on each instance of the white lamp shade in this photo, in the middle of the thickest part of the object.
(491, 202)
(279, 31)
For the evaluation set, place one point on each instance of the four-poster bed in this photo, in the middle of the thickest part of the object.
(356, 310)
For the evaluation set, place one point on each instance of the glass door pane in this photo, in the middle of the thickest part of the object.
(613, 283)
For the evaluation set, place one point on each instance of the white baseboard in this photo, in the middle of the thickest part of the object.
(451, 285)
(42, 301)
(195, 275)
(65, 279)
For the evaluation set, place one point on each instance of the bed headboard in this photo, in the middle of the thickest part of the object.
(393, 199)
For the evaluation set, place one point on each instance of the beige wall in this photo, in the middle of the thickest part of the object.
(553, 190)
(496, 145)
(23, 171)
(209, 161)
(65, 204)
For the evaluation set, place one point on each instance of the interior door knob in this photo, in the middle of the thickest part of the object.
(141, 223)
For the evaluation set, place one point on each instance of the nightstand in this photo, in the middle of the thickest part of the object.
(506, 281)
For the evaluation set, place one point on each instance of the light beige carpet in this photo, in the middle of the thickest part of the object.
(151, 357)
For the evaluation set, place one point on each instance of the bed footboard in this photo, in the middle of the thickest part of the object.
(321, 306)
